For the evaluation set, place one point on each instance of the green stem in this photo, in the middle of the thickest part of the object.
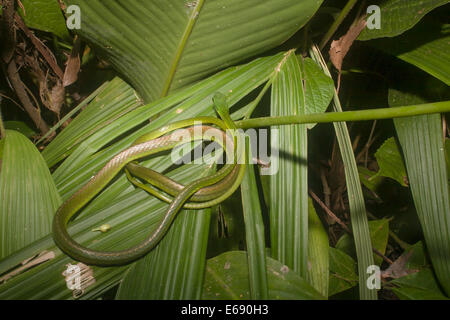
(259, 97)
(181, 46)
(2, 127)
(362, 115)
(350, 4)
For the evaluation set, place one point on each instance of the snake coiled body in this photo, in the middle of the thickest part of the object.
(210, 190)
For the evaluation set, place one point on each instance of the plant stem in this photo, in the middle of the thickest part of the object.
(181, 46)
(350, 4)
(259, 97)
(362, 115)
(2, 127)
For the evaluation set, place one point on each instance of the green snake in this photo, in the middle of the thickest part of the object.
(202, 193)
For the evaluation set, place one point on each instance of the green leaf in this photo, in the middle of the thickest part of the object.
(431, 56)
(397, 16)
(114, 100)
(254, 232)
(227, 278)
(131, 213)
(20, 126)
(28, 196)
(423, 148)
(416, 279)
(227, 229)
(318, 252)
(447, 155)
(390, 162)
(379, 234)
(370, 179)
(343, 274)
(407, 293)
(318, 88)
(45, 15)
(288, 184)
(83, 162)
(175, 269)
(160, 46)
(356, 200)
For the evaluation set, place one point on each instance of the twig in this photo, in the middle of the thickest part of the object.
(329, 212)
(369, 143)
(11, 99)
(41, 47)
(24, 98)
(326, 187)
(348, 7)
(365, 149)
(12, 72)
(343, 225)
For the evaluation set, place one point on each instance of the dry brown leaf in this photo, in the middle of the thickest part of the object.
(51, 90)
(53, 98)
(57, 98)
(71, 72)
(40, 46)
(339, 48)
(398, 268)
(73, 65)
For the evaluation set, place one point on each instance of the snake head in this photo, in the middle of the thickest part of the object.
(220, 103)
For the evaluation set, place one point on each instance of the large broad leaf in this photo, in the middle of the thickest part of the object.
(113, 100)
(86, 158)
(415, 279)
(317, 87)
(408, 293)
(227, 278)
(131, 213)
(390, 162)
(254, 232)
(175, 269)
(379, 233)
(447, 155)
(28, 196)
(318, 252)
(299, 87)
(426, 46)
(163, 45)
(397, 16)
(343, 274)
(45, 15)
(289, 179)
(356, 200)
(20, 126)
(423, 148)
(132, 217)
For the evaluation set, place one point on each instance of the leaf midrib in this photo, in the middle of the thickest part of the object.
(182, 44)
